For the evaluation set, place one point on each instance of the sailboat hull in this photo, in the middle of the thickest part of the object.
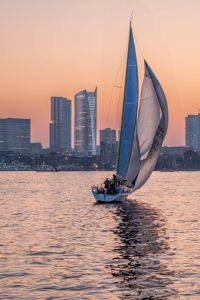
(107, 198)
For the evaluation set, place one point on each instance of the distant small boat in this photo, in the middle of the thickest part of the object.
(143, 128)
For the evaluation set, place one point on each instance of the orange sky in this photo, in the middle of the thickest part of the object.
(58, 47)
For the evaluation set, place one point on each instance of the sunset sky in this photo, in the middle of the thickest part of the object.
(59, 47)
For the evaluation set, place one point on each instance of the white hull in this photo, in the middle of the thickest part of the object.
(107, 198)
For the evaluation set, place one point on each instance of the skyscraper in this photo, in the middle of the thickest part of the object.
(15, 135)
(192, 131)
(85, 122)
(60, 126)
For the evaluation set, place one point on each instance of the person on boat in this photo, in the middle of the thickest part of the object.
(112, 186)
(99, 189)
(117, 183)
(107, 185)
(114, 179)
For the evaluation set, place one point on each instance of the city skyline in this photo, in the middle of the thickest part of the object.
(16, 132)
(189, 130)
(56, 54)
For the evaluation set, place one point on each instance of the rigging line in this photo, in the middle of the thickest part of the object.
(131, 17)
(120, 87)
(119, 97)
(135, 35)
(124, 64)
(117, 116)
(109, 113)
(139, 52)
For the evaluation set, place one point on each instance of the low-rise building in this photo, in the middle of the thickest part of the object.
(15, 135)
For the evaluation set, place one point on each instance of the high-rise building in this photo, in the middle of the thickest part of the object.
(192, 131)
(108, 147)
(60, 126)
(85, 122)
(15, 135)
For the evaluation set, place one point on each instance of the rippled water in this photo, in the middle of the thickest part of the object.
(56, 243)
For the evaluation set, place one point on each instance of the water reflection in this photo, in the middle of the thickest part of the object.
(136, 266)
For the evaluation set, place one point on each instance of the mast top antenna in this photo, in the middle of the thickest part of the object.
(131, 17)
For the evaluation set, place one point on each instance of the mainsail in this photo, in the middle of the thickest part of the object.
(128, 138)
(141, 136)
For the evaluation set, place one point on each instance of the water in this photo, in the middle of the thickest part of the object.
(56, 243)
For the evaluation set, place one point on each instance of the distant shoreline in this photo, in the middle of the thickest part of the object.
(163, 171)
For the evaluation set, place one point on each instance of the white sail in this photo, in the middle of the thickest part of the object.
(149, 116)
(152, 125)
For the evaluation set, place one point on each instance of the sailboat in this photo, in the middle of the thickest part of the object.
(143, 128)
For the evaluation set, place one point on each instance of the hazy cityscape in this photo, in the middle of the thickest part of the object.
(17, 152)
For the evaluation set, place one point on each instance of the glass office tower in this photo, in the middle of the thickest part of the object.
(85, 122)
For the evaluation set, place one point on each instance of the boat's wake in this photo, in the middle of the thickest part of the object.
(136, 265)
